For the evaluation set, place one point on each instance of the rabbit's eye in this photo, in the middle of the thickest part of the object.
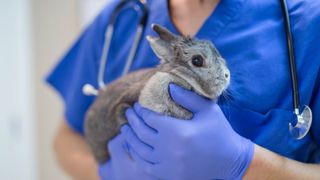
(197, 60)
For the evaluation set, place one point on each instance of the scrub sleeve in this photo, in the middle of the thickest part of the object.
(78, 67)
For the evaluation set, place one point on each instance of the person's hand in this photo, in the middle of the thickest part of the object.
(205, 147)
(121, 166)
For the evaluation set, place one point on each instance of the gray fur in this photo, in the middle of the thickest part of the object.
(150, 87)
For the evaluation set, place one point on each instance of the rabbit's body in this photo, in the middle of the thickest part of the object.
(106, 115)
(149, 87)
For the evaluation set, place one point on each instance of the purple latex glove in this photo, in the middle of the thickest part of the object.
(205, 147)
(121, 166)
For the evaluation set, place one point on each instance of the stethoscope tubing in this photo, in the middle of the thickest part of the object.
(109, 33)
(292, 61)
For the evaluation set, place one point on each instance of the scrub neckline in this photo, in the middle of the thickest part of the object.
(216, 22)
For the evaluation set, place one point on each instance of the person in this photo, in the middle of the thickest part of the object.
(243, 136)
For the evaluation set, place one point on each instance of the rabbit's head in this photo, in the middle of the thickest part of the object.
(196, 61)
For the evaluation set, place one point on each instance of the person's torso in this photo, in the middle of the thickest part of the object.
(250, 36)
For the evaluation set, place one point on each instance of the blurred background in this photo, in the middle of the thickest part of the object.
(34, 34)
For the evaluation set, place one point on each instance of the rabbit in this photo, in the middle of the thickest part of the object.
(188, 62)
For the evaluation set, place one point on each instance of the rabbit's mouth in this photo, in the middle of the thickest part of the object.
(196, 86)
(210, 89)
(199, 90)
(203, 93)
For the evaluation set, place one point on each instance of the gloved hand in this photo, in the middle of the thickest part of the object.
(205, 147)
(121, 166)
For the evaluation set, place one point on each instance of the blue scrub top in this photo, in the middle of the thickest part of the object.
(250, 36)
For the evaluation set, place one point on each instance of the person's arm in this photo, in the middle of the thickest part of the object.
(74, 155)
(269, 165)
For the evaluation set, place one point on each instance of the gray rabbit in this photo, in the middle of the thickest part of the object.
(191, 63)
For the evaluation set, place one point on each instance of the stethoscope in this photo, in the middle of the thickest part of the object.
(298, 127)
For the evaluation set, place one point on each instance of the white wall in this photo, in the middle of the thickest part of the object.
(17, 130)
(34, 34)
(89, 9)
(56, 25)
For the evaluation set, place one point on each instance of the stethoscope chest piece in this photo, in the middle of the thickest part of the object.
(303, 123)
(89, 90)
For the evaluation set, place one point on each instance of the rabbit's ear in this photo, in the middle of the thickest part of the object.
(164, 33)
(161, 48)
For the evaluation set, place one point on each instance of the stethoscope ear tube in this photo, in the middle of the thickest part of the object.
(137, 38)
(88, 89)
(303, 120)
(109, 34)
(108, 38)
